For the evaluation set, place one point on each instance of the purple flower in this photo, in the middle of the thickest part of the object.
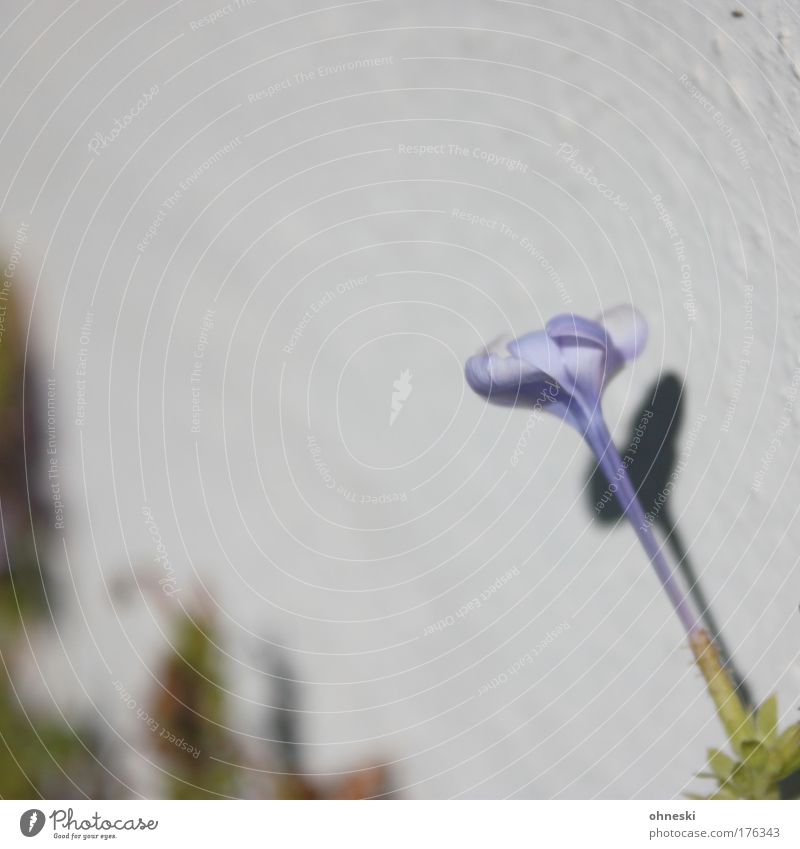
(564, 369)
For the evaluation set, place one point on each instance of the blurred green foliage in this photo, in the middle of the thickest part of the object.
(38, 757)
(766, 762)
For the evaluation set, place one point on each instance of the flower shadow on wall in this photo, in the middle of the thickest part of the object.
(564, 369)
(651, 462)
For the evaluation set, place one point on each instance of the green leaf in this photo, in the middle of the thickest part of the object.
(754, 754)
(767, 719)
(725, 794)
(721, 765)
(788, 744)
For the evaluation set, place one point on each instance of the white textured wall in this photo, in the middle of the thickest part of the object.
(317, 193)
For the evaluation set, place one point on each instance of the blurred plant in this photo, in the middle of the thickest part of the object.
(564, 369)
(194, 744)
(205, 759)
(23, 502)
(368, 782)
(40, 755)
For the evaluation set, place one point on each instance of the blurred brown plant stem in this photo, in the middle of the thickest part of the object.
(196, 748)
(24, 511)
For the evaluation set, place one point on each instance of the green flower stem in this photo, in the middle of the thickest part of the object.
(735, 718)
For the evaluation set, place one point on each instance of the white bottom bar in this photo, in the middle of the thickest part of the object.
(405, 825)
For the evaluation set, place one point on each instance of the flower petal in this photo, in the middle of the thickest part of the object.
(584, 346)
(540, 351)
(490, 374)
(563, 368)
(569, 325)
